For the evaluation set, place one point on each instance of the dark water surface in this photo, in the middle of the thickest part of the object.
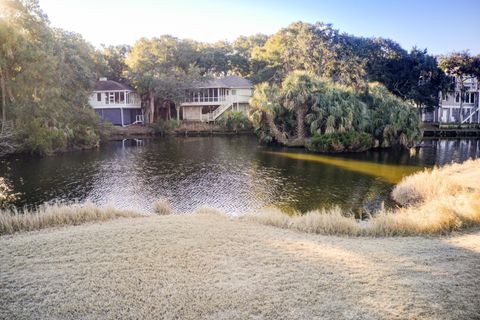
(234, 174)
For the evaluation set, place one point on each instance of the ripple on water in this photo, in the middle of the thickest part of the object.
(233, 174)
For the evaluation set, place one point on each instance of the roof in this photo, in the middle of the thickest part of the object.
(226, 82)
(110, 85)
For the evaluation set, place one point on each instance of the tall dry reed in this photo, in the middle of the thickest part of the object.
(51, 215)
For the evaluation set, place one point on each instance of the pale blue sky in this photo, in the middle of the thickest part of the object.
(441, 26)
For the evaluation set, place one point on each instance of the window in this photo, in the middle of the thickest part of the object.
(99, 96)
(457, 97)
(234, 92)
(445, 97)
(470, 97)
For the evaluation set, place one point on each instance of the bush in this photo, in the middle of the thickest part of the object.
(6, 194)
(162, 126)
(350, 141)
(234, 120)
(162, 207)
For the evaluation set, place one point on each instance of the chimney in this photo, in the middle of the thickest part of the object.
(103, 79)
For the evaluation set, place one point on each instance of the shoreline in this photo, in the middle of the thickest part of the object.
(104, 263)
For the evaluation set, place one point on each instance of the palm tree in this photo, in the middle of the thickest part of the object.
(264, 103)
(299, 92)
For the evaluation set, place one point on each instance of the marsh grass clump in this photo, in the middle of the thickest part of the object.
(436, 201)
(51, 215)
(324, 221)
(162, 207)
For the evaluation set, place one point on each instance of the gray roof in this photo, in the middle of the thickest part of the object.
(226, 82)
(109, 85)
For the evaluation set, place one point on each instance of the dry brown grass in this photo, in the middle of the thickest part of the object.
(52, 215)
(162, 207)
(434, 184)
(435, 201)
(204, 266)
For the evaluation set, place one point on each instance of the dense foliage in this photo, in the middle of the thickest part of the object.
(351, 141)
(308, 111)
(46, 75)
(234, 121)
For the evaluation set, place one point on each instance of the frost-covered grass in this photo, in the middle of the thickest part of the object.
(205, 266)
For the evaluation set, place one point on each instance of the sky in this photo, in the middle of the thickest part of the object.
(441, 26)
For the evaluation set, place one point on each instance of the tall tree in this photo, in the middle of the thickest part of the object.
(162, 69)
(110, 62)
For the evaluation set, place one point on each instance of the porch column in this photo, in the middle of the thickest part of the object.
(121, 116)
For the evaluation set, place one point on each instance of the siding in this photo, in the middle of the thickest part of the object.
(114, 116)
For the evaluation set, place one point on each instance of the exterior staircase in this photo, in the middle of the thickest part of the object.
(471, 115)
(212, 116)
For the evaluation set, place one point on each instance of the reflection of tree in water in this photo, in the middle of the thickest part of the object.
(233, 174)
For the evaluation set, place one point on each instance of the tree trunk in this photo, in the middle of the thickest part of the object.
(280, 136)
(4, 100)
(169, 111)
(151, 110)
(301, 113)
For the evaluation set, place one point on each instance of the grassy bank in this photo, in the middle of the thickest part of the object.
(207, 266)
(435, 201)
(211, 266)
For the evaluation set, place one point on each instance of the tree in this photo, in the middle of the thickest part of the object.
(297, 95)
(46, 78)
(463, 67)
(111, 62)
(340, 117)
(162, 69)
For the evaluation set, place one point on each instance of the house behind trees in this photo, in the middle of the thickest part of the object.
(209, 100)
(116, 102)
(455, 107)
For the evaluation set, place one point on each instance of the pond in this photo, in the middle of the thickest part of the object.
(234, 174)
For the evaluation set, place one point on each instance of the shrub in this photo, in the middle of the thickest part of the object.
(234, 120)
(162, 207)
(351, 141)
(6, 194)
(162, 126)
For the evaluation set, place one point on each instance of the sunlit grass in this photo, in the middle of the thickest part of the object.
(51, 215)
(434, 201)
(390, 173)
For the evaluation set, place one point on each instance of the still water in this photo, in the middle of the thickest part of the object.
(233, 174)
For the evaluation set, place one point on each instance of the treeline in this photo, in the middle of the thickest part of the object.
(46, 74)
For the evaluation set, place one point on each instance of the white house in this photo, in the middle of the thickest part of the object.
(209, 100)
(448, 110)
(116, 103)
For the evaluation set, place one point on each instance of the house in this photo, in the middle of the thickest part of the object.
(116, 102)
(448, 110)
(209, 100)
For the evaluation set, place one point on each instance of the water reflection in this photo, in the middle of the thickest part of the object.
(233, 174)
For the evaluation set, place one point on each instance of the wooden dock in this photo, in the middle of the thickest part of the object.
(450, 130)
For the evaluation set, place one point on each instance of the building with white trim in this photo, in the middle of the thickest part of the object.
(209, 100)
(116, 102)
(448, 110)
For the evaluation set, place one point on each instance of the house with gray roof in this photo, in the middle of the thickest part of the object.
(209, 100)
(116, 103)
